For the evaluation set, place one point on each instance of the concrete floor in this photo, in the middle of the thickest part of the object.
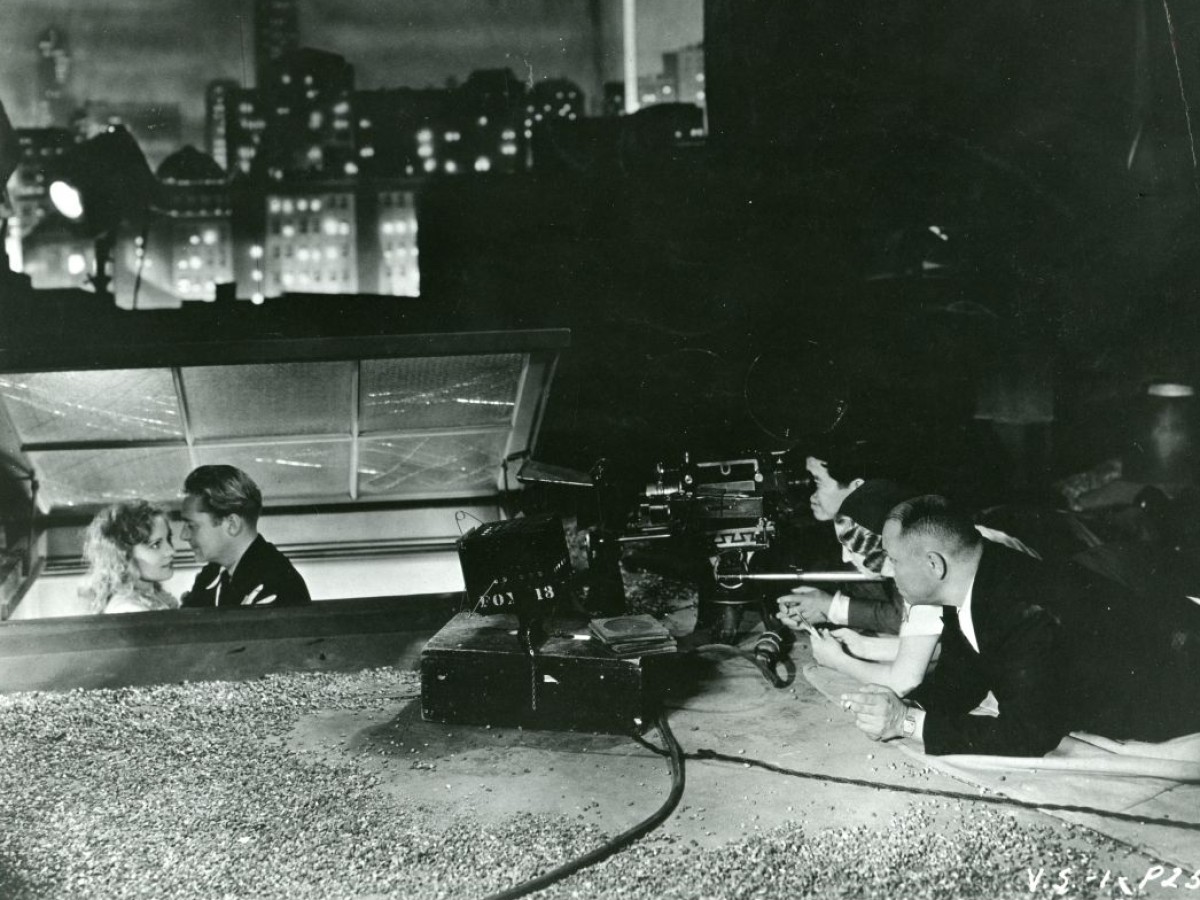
(490, 774)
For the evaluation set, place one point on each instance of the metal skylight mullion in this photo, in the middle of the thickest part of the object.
(184, 415)
(107, 444)
(440, 431)
(517, 412)
(336, 437)
(355, 400)
(535, 376)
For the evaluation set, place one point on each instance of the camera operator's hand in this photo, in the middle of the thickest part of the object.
(810, 602)
(826, 649)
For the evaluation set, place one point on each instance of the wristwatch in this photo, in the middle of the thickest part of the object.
(908, 727)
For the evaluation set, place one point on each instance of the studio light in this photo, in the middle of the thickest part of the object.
(103, 183)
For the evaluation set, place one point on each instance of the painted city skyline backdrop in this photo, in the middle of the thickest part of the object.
(166, 51)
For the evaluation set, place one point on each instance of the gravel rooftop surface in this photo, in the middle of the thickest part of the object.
(192, 790)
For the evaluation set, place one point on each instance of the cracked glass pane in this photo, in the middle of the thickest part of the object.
(269, 398)
(439, 392)
(429, 464)
(317, 469)
(75, 477)
(122, 404)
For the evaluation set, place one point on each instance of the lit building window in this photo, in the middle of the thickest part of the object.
(430, 165)
(76, 264)
(302, 205)
(315, 120)
(194, 262)
(342, 108)
(329, 226)
(302, 254)
(182, 264)
(508, 149)
(315, 206)
(482, 121)
(287, 206)
(210, 236)
(508, 134)
(367, 152)
(424, 135)
(257, 275)
(364, 123)
(257, 298)
(401, 227)
(194, 240)
(528, 133)
(350, 168)
(425, 150)
(386, 228)
(343, 227)
(289, 231)
(451, 166)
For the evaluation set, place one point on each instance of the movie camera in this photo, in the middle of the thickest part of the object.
(717, 514)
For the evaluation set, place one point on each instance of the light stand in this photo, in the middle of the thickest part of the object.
(105, 182)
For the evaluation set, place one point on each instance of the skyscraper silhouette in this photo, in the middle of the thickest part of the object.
(52, 105)
(276, 33)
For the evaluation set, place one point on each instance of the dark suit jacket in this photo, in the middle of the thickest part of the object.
(875, 606)
(1062, 650)
(262, 563)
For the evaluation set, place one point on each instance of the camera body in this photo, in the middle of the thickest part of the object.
(734, 503)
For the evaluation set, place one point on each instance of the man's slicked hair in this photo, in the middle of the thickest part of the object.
(224, 490)
(936, 518)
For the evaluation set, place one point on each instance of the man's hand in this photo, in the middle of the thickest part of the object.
(811, 603)
(252, 598)
(826, 650)
(878, 711)
(851, 640)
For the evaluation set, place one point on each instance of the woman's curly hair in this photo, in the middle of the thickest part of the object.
(108, 549)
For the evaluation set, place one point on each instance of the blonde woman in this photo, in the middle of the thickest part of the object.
(129, 553)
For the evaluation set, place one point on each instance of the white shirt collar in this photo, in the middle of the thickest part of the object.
(966, 624)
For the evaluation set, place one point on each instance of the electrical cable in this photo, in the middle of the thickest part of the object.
(704, 754)
(759, 663)
(676, 755)
(461, 516)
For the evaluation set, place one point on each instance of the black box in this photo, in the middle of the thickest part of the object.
(518, 565)
(474, 672)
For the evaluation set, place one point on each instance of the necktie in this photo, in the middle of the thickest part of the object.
(222, 586)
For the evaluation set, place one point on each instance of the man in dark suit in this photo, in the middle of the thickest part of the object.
(220, 521)
(1061, 649)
